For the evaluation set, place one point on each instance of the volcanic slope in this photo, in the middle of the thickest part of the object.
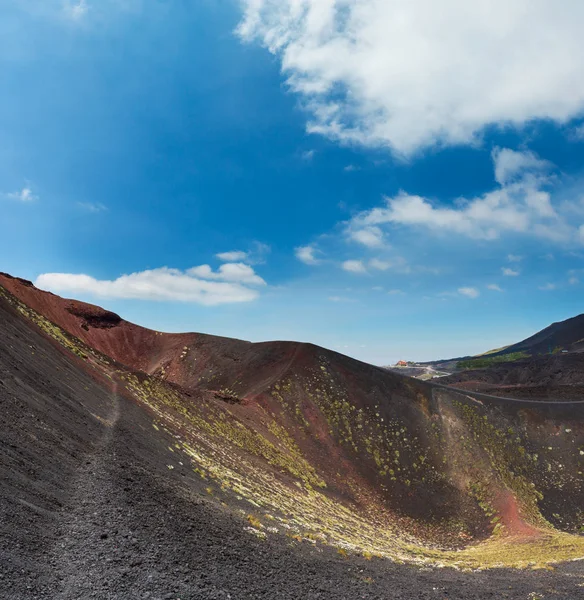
(564, 335)
(299, 441)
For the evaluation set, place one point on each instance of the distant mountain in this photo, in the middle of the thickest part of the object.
(547, 365)
(565, 335)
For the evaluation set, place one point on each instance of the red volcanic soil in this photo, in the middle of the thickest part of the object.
(133, 346)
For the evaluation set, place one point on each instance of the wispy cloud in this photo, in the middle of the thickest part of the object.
(514, 258)
(351, 168)
(232, 256)
(576, 133)
(507, 272)
(308, 155)
(93, 207)
(511, 165)
(383, 73)
(548, 287)
(255, 255)
(76, 10)
(354, 266)
(494, 287)
(307, 255)
(372, 236)
(380, 265)
(199, 285)
(469, 292)
(23, 195)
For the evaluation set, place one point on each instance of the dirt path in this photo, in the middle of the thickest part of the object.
(81, 550)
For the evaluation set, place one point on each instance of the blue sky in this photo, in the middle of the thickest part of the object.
(334, 172)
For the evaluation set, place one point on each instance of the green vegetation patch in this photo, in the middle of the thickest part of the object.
(488, 361)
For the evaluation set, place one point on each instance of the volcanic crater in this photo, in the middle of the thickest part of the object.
(139, 464)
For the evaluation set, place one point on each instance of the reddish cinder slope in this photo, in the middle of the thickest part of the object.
(136, 347)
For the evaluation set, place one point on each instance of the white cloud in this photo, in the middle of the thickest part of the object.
(413, 74)
(351, 168)
(308, 155)
(395, 292)
(573, 281)
(340, 299)
(548, 287)
(372, 236)
(306, 254)
(494, 287)
(93, 207)
(509, 272)
(469, 292)
(232, 256)
(162, 284)
(380, 265)
(514, 258)
(76, 10)
(581, 233)
(354, 266)
(510, 164)
(24, 195)
(522, 205)
(255, 255)
(235, 272)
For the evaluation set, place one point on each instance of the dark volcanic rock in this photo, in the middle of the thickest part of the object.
(94, 316)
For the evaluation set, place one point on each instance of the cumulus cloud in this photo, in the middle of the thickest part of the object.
(409, 75)
(469, 292)
(514, 258)
(354, 266)
(494, 287)
(548, 287)
(232, 256)
(509, 272)
(23, 195)
(306, 254)
(236, 272)
(521, 204)
(199, 285)
(372, 236)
